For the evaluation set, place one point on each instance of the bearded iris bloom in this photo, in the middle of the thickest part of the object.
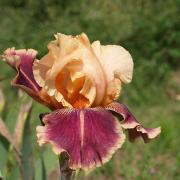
(80, 82)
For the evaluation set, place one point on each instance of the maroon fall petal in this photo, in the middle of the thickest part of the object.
(89, 136)
(135, 129)
(22, 60)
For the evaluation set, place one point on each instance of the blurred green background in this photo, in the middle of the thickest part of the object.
(150, 30)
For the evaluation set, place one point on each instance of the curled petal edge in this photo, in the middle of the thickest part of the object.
(96, 146)
(129, 122)
(22, 61)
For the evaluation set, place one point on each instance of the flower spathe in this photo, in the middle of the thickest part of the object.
(79, 81)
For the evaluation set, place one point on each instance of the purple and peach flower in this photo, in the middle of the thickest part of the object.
(80, 82)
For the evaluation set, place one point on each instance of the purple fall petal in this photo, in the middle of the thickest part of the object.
(89, 136)
(135, 129)
(22, 61)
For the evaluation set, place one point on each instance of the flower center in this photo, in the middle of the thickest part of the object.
(71, 87)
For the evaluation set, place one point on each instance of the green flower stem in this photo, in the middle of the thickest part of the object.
(65, 172)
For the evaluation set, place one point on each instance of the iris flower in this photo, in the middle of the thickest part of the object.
(80, 82)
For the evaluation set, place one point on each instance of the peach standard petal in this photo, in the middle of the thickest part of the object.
(117, 64)
(75, 73)
(71, 72)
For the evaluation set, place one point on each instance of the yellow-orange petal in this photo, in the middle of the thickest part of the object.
(68, 58)
(88, 91)
(91, 66)
(113, 91)
(66, 43)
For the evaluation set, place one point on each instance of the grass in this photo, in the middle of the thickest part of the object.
(149, 30)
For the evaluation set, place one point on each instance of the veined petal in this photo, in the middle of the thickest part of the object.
(22, 61)
(135, 129)
(89, 136)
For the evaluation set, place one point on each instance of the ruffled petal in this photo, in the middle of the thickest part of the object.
(135, 129)
(117, 63)
(22, 61)
(67, 56)
(89, 136)
(115, 60)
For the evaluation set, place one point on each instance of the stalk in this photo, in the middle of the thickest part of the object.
(65, 172)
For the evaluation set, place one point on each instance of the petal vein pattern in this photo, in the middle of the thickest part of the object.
(89, 136)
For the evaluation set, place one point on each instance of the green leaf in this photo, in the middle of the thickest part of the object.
(43, 169)
(5, 133)
(27, 148)
(1, 177)
(50, 160)
(2, 101)
(20, 122)
(10, 113)
(14, 173)
(40, 169)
